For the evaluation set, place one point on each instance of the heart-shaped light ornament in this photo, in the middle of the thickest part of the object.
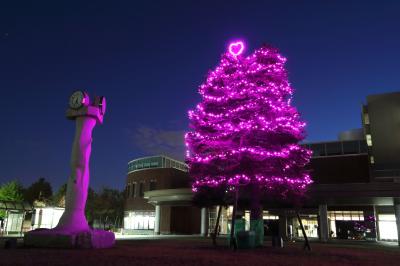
(236, 48)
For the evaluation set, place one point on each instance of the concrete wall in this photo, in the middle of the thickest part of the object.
(185, 220)
(384, 116)
(165, 220)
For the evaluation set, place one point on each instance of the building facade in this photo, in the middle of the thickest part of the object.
(355, 194)
(356, 189)
(158, 198)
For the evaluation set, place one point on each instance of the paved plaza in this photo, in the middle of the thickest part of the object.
(170, 250)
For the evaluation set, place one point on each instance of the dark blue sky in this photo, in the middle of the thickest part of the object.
(148, 57)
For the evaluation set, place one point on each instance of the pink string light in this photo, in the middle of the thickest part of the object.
(245, 129)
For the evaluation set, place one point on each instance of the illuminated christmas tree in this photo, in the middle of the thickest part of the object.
(245, 131)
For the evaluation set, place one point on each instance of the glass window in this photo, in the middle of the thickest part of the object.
(387, 217)
(133, 190)
(334, 148)
(141, 189)
(346, 215)
(366, 119)
(318, 149)
(369, 140)
(350, 147)
(270, 217)
(363, 147)
(141, 220)
(152, 185)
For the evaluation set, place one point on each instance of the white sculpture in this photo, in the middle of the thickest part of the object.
(73, 229)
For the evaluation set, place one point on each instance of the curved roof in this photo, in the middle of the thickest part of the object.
(179, 196)
(15, 205)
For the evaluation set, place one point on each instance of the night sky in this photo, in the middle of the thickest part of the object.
(149, 57)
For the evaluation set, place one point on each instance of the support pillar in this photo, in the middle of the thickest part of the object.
(204, 227)
(283, 227)
(323, 223)
(397, 213)
(157, 220)
(370, 220)
(378, 238)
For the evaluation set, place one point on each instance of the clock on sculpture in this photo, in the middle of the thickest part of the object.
(78, 99)
(81, 105)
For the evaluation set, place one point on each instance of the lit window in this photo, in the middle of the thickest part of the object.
(387, 227)
(366, 119)
(372, 159)
(270, 217)
(346, 215)
(369, 140)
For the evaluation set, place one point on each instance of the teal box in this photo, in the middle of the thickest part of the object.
(248, 239)
(257, 226)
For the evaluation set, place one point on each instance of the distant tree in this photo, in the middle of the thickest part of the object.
(58, 199)
(106, 206)
(90, 209)
(11, 191)
(39, 190)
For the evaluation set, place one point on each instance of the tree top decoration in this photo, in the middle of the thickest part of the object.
(245, 131)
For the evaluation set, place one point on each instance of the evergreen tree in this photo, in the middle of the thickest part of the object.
(39, 190)
(11, 191)
(245, 130)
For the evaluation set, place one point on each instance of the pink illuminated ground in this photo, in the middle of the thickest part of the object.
(196, 251)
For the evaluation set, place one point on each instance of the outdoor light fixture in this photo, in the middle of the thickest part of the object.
(236, 48)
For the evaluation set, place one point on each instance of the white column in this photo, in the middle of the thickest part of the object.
(397, 213)
(376, 224)
(157, 220)
(203, 230)
(323, 222)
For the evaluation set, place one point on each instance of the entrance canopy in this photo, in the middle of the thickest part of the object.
(176, 197)
(15, 206)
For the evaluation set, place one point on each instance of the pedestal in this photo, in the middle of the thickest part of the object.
(52, 238)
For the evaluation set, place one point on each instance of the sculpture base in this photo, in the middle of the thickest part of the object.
(50, 238)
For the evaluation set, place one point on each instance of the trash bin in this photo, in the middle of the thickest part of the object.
(258, 227)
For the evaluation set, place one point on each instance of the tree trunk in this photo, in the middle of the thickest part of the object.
(256, 213)
(306, 243)
(214, 235)
(255, 203)
(233, 242)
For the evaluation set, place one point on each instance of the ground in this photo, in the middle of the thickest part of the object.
(198, 251)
